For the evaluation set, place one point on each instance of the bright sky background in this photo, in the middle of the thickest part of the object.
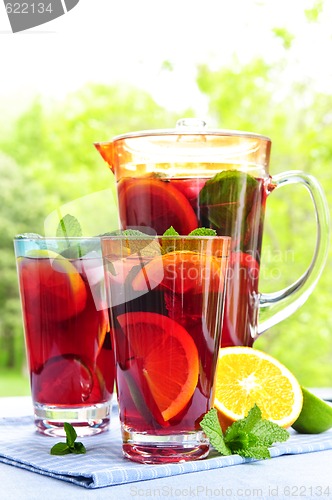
(115, 40)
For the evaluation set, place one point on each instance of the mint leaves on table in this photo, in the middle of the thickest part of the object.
(249, 437)
(70, 446)
(226, 194)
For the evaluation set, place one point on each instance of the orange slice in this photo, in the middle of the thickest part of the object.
(155, 203)
(104, 328)
(53, 281)
(180, 271)
(246, 376)
(168, 358)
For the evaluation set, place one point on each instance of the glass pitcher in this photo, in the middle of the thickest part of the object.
(191, 177)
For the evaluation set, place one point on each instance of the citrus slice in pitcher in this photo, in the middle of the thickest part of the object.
(167, 357)
(246, 376)
(154, 203)
(180, 272)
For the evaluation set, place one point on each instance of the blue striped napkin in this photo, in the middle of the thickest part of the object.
(103, 464)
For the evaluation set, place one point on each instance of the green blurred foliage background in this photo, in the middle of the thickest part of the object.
(47, 160)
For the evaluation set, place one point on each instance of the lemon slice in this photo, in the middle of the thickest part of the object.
(44, 253)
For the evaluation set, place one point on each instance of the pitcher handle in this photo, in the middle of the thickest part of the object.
(277, 306)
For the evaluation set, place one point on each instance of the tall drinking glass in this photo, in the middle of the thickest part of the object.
(68, 346)
(166, 300)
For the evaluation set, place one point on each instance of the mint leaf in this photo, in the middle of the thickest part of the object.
(78, 448)
(125, 232)
(257, 452)
(60, 449)
(168, 241)
(171, 232)
(69, 446)
(249, 437)
(171, 240)
(111, 268)
(241, 441)
(134, 232)
(226, 195)
(244, 425)
(260, 434)
(203, 231)
(268, 432)
(211, 426)
(78, 249)
(69, 227)
(71, 434)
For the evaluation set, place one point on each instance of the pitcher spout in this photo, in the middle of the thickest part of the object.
(106, 151)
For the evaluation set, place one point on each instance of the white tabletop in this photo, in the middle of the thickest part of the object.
(307, 476)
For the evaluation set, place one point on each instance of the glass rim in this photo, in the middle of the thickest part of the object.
(169, 237)
(123, 236)
(58, 238)
(184, 132)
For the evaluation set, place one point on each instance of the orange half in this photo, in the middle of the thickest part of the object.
(246, 376)
(168, 357)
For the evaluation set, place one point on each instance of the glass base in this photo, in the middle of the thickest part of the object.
(87, 420)
(153, 449)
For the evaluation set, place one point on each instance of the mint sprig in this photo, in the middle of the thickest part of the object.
(203, 231)
(70, 446)
(224, 196)
(69, 227)
(249, 437)
(171, 240)
(199, 231)
(171, 232)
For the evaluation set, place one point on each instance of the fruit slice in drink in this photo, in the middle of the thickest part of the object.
(66, 380)
(59, 286)
(180, 272)
(166, 357)
(156, 204)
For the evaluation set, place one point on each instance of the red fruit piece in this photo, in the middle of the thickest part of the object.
(239, 310)
(64, 380)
